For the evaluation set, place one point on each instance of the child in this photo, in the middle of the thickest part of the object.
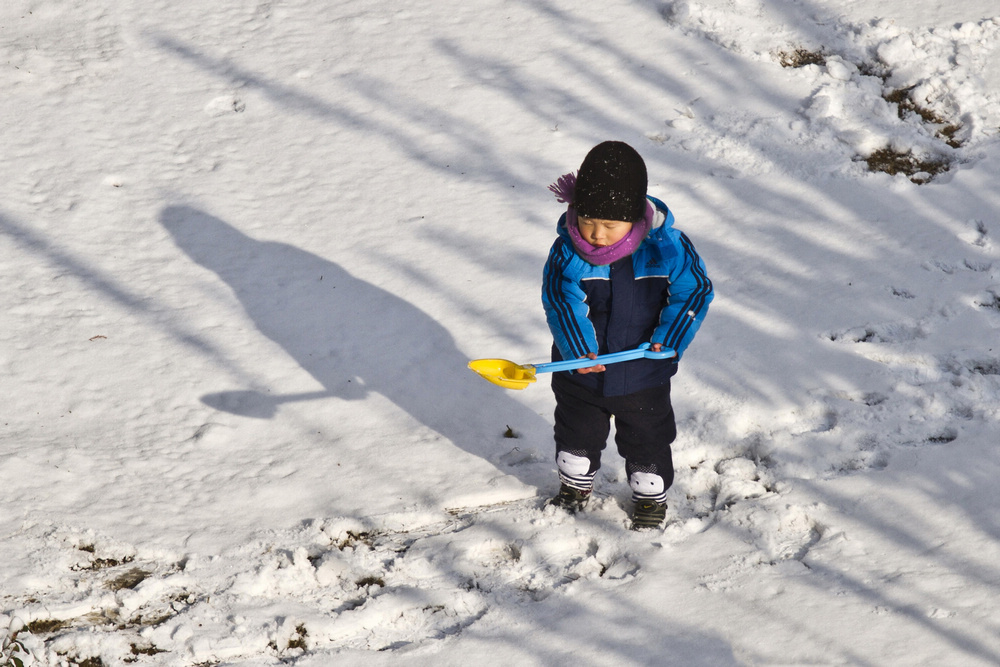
(618, 275)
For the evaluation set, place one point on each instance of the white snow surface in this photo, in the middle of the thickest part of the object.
(248, 249)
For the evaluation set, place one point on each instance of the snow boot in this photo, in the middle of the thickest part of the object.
(648, 514)
(570, 499)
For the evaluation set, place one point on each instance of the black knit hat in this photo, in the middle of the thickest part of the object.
(611, 184)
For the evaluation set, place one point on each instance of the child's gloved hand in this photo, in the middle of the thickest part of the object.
(599, 368)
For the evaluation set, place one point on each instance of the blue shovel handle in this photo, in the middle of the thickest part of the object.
(641, 352)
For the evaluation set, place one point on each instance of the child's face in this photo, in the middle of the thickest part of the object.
(602, 233)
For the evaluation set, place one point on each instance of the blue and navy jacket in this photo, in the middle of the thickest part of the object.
(658, 294)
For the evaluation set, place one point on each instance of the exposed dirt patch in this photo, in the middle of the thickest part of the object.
(800, 58)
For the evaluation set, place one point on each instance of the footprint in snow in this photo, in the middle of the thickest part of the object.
(894, 332)
(225, 105)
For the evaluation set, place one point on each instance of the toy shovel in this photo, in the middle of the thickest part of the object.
(515, 376)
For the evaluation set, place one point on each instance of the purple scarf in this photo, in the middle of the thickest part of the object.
(563, 190)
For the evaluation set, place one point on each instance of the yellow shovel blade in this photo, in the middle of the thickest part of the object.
(505, 373)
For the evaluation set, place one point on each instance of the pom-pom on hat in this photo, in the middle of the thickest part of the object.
(611, 184)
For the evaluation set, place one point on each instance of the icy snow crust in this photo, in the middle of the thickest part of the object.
(249, 248)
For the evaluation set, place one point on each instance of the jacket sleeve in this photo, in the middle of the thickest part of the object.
(565, 305)
(687, 305)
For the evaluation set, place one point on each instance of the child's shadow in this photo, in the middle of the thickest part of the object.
(351, 336)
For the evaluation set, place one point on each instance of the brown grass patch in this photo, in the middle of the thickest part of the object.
(916, 169)
(942, 128)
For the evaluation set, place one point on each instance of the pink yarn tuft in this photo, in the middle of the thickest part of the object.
(564, 188)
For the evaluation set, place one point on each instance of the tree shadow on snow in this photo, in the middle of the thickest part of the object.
(354, 338)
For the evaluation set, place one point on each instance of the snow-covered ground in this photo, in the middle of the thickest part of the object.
(248, 249)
